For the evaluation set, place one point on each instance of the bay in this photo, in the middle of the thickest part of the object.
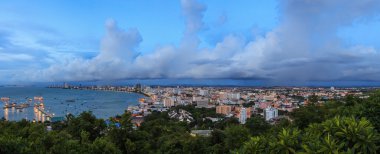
(60, 102)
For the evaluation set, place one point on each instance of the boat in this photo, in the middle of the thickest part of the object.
(24, 105)
(38, 98)
(6, 106)
(70, 100)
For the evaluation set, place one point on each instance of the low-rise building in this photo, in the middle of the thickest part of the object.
(223, 109)
(204, 133)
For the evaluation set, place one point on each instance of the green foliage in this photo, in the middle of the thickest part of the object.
(348, 125)
(287, 141)
(256, 145)
(102, 145)
(370, 109)
(86, 121)
(306, 115)
(257, 125)
(336, 135)
(236, 135)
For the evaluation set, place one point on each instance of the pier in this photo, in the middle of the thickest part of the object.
(47, 114)
(40, 114)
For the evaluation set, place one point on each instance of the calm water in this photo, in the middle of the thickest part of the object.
(103, 104)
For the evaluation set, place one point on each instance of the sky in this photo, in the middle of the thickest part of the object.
(275, 40)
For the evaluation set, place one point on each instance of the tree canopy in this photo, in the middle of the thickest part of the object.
(348, 125)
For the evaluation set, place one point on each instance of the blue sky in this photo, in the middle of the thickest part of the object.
(291, 40)
(159, 23)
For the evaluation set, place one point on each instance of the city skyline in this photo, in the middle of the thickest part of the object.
(296, 41)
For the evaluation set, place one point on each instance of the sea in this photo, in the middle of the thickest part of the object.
(60, 102)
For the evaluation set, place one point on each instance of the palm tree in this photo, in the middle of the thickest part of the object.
(330, 145)
(357, 135)
(287, 141)
(255, 145)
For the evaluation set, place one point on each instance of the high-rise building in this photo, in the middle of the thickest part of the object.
(243, 115)
(270, 113)
(138, 87)
(65, 85)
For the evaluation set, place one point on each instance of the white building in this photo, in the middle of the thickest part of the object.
(270, 113)
(243, 115)
(332, 88)
(177, 91)
(233, 96)
(203, 92)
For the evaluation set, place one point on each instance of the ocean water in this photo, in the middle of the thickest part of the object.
(103, 104)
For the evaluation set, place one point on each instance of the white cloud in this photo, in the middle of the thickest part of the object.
(303, 47)
(7, 57)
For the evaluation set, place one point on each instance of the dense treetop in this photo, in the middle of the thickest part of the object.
(350, 125)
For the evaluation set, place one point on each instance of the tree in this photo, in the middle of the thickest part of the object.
(370, 109)
(256, 145)
(357, 135)
(86, 121)
(126, 121)
(287, 141)
(257, 125)
(330, 145)
(236, 135)
(313, 99)
(306, 115)
(102, 145)
(12, 144)
(227, 122)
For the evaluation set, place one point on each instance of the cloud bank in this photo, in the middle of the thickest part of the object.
(303, 47)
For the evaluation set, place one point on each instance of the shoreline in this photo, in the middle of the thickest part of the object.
(127, 91)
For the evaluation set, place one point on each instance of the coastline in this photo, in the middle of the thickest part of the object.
(103, 89)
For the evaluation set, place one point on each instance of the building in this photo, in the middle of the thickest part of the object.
(137, 120)
(223, 109)
(181, 115)
(169, 102)
(65, 85)
(235, 96)
(138, 87)
(270, 113)
(243, 115)
(177, 91)
(202, 104)
(203, 92)
(332, 88)
(204, 133)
